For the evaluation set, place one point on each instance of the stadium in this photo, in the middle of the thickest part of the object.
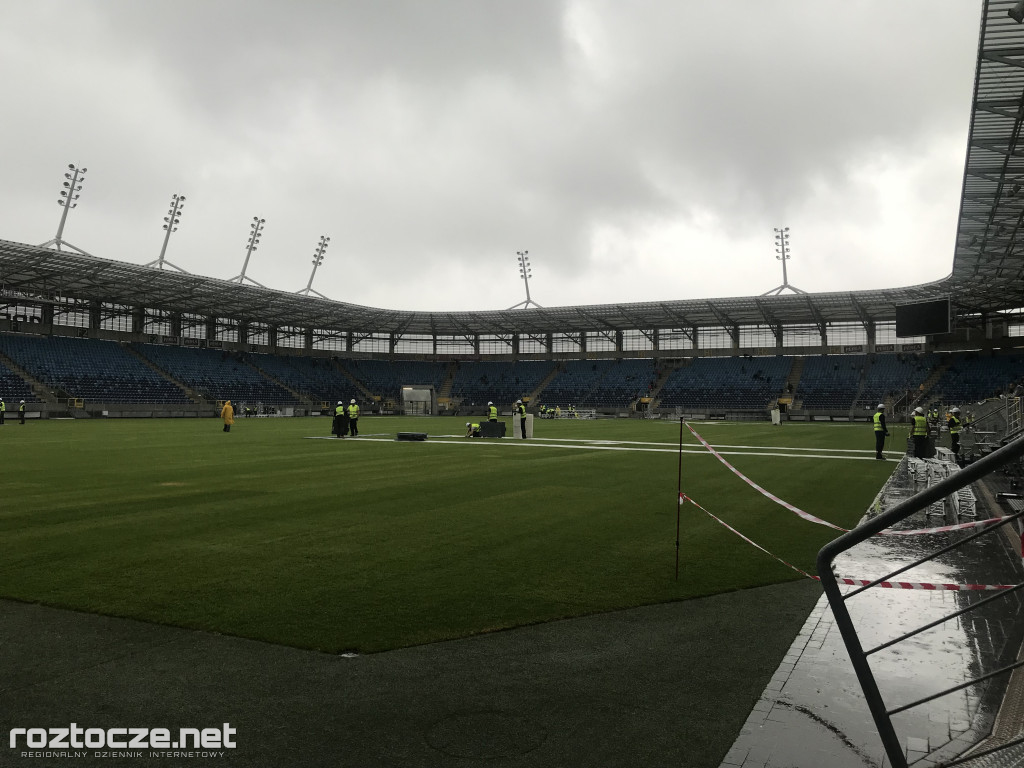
(411, 596)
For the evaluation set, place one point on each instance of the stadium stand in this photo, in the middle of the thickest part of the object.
(501, 382)
(889, 376)
(14, 388)
(106, 372)
(99, 371)
(625, 382)
(216, 375)
(316, 378)
(733, 383)
(830, 382)
(385, 378)
(972, 377)
(600, 383)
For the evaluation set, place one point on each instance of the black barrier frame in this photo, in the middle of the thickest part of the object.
(837, 600)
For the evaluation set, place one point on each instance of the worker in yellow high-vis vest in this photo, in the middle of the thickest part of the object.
(881, 431)
(339, 424)
(919, 432)
(955, 426)
(492, 411)
(353, 418)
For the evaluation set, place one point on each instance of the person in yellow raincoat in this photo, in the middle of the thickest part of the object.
(228, 414)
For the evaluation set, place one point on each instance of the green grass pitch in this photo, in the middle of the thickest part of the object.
(375, 544)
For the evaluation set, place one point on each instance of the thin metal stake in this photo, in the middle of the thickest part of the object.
(679, 493)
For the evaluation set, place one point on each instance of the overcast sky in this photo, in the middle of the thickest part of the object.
(640, 151)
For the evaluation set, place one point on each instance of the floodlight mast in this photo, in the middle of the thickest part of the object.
(318, 259)
(254, 239)
(171, 221)
(68, 197)
(782, 254)
(525, 273)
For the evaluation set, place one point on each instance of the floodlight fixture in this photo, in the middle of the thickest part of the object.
(256, 230)
(782, 253)
(525, 274)
(318, 259)
(171, 221)
(68, 199)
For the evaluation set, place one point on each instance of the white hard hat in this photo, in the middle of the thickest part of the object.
(881, 406)
(489, 402)
(955, 410)
(339, 402)
(467, 424)
(353, 400)
(919, 409)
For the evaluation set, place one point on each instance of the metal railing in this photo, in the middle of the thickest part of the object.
(837, 600)
(1014, 420)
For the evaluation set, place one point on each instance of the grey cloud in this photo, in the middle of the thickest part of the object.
(454, 133)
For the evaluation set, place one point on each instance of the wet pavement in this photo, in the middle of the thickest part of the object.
(813, 714)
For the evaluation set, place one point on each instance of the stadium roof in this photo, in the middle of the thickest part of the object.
(987, 274)
(988, 265)
(30, 273)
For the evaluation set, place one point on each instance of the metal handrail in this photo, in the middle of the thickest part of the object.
(997, 596)
(936, 553)
(976, 755)
(958, 687)
(837, 600)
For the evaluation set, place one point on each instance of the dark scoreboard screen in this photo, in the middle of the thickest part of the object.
(924, 318)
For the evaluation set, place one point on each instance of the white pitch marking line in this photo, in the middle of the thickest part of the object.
(534, 444)
(714, 445)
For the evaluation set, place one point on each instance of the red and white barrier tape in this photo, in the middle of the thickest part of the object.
(811, 518)
(910, 585)
(683, 498)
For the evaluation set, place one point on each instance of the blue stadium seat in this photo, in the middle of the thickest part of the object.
(92, 369)
(726, 383)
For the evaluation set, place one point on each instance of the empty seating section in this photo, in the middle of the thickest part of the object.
(575, 383)
(105, 372)
(94, 370)
(317, 378)
(726, 383)
(386, 378)
(625, 381)
(599, 383)
(830, 382)
(974, 377)
(13, 388)
(894, 375)
(217, 375)
(500, 382)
